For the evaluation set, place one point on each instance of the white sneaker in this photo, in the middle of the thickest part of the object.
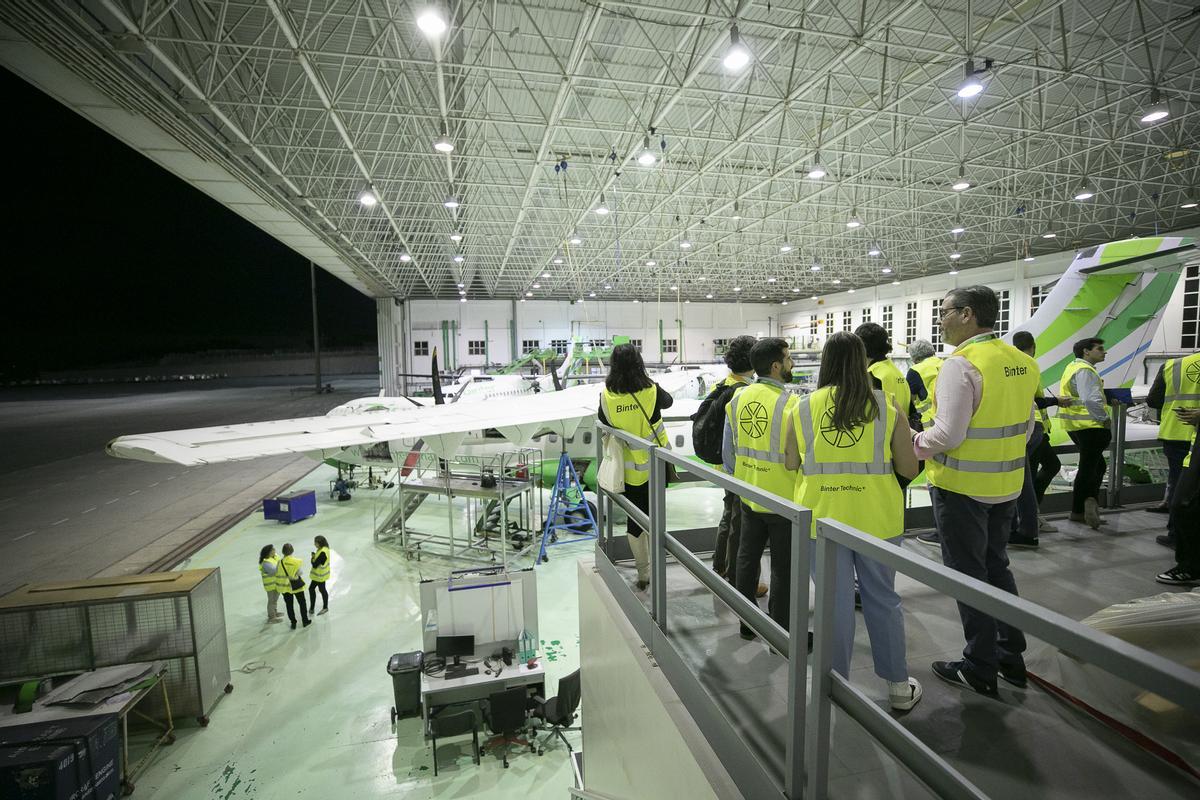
(323, 611)
(1044, 526)
(903, 696)
(1091, 513)
(274, 620)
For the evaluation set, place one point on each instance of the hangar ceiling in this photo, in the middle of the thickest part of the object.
(313, 107)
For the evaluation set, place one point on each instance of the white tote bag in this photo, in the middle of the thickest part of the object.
(611, 474)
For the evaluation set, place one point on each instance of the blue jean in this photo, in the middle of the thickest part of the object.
(974, 538)
(1025, 521)
(881, 610)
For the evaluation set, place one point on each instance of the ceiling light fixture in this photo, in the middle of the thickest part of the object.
(404, 256)
(737, 288)
(958, 228)
(837, 280)
(591, 294)
(770, 280)
(816, 267)
(443, 144)
(601, 209)
(529, 294)
(737, 56)
(953, 272)
(814, 297)
(955, 256)
(874, 250)
(450, 202)
(431, 22)
(816, 171)
(886, 270)
(895, 283)
(367, 198)
(784, 303)
(646, 158)
(1027, 258)
(709, 296)
(458, 259)
(1085, 191)
(795, 290)
(674, 288)
(1157, 110)
(652, 263)
(961, 183)
(460, 285)
(854, 221)
(737, 214)
(537, 286)
(575, 239)
(1050, 233)
(1189, 203)
(972, 85)
(456, 236)
(608, 286)
(558, 259)
(786, 247)
(685, 245)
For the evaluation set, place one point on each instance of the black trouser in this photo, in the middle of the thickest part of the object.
(640, 497)
(1044, 461)
(313, 586)
(298, 596)
(759, 530)
(974, 537)
(1185, 514)
(1092, 442)
(729, 534)
(1175, 453)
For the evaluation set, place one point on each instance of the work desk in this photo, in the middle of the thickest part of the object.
(437, 691)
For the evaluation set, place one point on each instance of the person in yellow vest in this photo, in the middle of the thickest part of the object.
(756, 421)
(320, 564)
(1086, 422)
(974, 454)
(1041, 463)
(729, 530)
(886, 374)
(1185, 510)
(291, 585)
(1177, 385)
(850, 441)
(268, 566)
(922, 378)
(633, 403)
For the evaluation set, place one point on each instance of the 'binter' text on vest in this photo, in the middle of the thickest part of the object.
(1013, 372)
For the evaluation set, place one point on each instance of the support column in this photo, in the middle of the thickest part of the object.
(389, 334)
(514, 353)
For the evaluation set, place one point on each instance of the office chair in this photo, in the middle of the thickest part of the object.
(559, 711)
(507, 719)
(453, 725)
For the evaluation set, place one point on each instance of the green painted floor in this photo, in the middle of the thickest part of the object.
(314, 722)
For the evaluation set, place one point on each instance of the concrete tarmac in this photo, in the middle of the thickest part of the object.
(68, 510)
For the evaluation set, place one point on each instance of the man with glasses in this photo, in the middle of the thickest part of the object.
(974, 451)
(1086, 422)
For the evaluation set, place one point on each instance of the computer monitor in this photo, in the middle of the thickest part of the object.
(455, 647)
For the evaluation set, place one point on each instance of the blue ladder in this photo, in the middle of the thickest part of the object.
(569, 511)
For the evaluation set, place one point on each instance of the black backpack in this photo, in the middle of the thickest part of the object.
(708, 423)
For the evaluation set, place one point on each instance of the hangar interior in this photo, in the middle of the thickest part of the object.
(510, 179)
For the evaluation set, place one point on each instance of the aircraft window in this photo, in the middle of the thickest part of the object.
(571, 440)
(553, 437)
(679, 440)
(587, 437)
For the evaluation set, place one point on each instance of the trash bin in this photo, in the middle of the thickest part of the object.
(405, 669)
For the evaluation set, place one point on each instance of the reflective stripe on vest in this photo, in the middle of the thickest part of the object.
(270, 582)
(625, 413)
(321, 574)
(1076, 417)
(990, 462)
(928, 370)
(758, 444)
(862, 493)
(1182, 377)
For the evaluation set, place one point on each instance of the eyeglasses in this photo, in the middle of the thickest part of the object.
(948, 311)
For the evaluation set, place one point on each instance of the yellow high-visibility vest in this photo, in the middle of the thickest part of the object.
(1045, 415)
(928, 370)
(320, 574)
(892, 382)
(990, 462)
(1182, 376)
(847, 475)
(756, 416)
(1076, 417)
(270, 582)
(289, 567)
(624, 412)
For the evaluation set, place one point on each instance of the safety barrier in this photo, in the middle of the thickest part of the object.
(807, 734)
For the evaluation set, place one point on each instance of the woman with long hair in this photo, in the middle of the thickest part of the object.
(290, 575)
(633, 403)
(321, 564)
(268, 566)
(851, 443)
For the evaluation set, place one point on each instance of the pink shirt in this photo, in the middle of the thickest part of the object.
(958, 392)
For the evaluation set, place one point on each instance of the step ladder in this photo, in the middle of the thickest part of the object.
(569, 511)
(412, 501)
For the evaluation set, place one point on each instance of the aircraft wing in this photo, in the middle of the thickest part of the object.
(441, 427)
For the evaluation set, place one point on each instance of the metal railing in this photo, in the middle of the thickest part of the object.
(807, 740)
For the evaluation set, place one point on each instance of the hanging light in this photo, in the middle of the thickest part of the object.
(462, 291)
(886, 270)
(462, 299)
(646, 158)
(816, 266)
(955, 256)
(458, 259)
(602, 208)
(545, 274)
(837, 280)
(709, 296)
(404, 256)
(461, 285)
(762, 297)
(637, 301)
(684, 244)
(529, 294)
(737, 214)
(591, 294)
(795, 290)
(1085, 191)
(1027, 258)
(674, 288)
(895, 283)
(770, 280)
(1157, 110)
(958, 228)
(450, 202)
(737, 288)
(874, 250)
(961, 184)
(786, 247)
(575, 239)
(558, 259)
(854, 221)
(652, 263)
(456, 236)
(953, 272)
(443, 144)
(737, 56)
(1050, 233)
(971, 84)
(784, 303)
(816, 171)
(851, 291)
(367, 198)
(431, 22)
(1188, 203)
(537, 286)
(607, 286)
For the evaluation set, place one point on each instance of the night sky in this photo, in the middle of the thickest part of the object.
(110, 258)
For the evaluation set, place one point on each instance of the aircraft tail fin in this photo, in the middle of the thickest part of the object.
(438, 397)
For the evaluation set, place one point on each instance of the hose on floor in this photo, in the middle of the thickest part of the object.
(255, 666)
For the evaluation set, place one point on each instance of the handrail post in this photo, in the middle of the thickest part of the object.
(605, 544)
(797, 654)
(822, 685)
(658, 544)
